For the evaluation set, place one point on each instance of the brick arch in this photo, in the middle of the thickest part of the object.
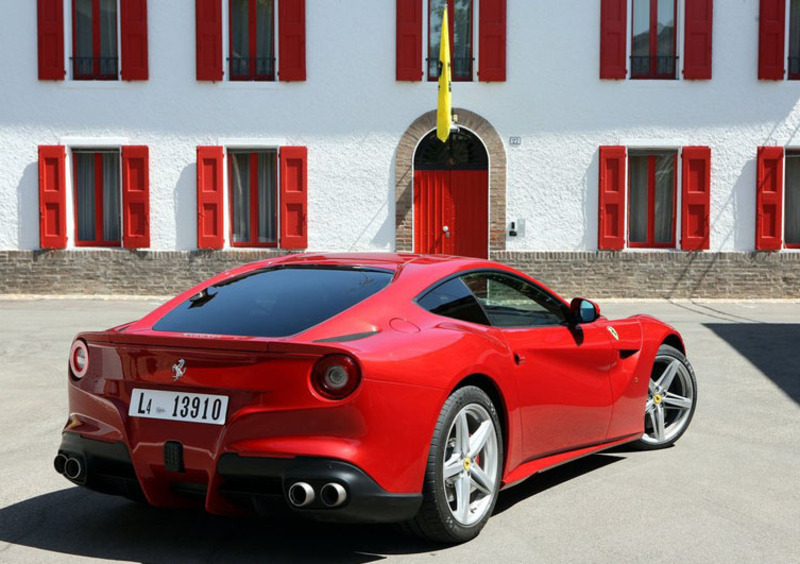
(404, 177)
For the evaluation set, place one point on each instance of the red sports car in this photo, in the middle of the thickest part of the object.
(364, 388)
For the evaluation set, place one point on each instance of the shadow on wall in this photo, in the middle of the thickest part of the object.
(744, 206)
(772, 348)
(590, 202)
(28, 208)
(185, 199)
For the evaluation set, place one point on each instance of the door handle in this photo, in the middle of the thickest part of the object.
(446, 231)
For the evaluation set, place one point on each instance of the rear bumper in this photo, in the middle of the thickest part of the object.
(257, 484)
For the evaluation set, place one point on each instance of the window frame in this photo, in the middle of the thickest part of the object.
(451, 31)
(95, 75)
(98, 242)
(653, 47)
(651, 203)
(253, 192)
(795, 153)
(788, 54)
(252, 44)
(463, 273)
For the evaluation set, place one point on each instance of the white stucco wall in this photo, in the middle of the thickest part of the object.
(351, 112)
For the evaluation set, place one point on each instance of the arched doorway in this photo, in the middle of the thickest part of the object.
(404, 176)
(451, 195)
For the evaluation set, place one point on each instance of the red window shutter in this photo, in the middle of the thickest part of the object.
(697, 43)
(769, 199)
(613, 38)
(612, 199)
(209, 198)
(409, 40)
(492, 41)
(133, 20)
(294, 197)
(135, 197)
(50, 15)
(52, 197)
(771, 39)
(695, 198)
(208, 22)
(292, 40)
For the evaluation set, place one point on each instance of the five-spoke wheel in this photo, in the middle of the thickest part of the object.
(464, 469)
(671, 399)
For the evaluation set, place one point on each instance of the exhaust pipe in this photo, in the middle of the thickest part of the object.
(301, 494)
(59, 462)
(333, 494)
(73, 469)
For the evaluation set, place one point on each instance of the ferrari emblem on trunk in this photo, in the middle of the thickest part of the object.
(179, 370)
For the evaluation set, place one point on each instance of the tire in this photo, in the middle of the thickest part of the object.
(671, 400)
(452, 475)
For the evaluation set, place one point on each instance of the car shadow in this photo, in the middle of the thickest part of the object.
(551, 478)
(84, 523)
(773, 348)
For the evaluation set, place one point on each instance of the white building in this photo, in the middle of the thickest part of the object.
(586, 126)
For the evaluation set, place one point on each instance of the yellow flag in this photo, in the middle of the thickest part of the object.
(444, 109)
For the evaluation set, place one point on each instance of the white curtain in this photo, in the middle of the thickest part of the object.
(112, 211)
(240, 37)
(266, 197)
(462, 39)
(83, 38)
(665, 190)
(792, 214)
(108, 37)
(637, 203)
(84, 188)
(434, 35)
(240, 192)
(264, 41)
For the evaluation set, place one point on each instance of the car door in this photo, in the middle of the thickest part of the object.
(562, 371)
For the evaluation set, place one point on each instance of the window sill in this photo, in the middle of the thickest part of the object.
(95, 84)
(248, 84)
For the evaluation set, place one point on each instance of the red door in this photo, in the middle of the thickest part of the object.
(451, 196)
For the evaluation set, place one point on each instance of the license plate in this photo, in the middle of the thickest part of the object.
(179, 406)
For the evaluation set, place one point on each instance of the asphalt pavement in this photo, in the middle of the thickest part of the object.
(729, 491)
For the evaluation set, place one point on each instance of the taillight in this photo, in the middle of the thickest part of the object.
(79, 359)
(335, 376)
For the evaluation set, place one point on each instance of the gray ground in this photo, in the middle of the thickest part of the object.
(728, 492)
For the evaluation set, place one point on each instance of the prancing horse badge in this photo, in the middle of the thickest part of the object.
(613, 332)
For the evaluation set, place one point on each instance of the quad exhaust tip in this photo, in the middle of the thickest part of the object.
(59, 462)
(301, 494)
(333, 494)
(73, 469)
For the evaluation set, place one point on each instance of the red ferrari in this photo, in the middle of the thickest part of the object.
(365, 388)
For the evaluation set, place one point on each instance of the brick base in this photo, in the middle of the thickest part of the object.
(589, 274)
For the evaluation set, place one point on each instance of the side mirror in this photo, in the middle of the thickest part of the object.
(583, 311)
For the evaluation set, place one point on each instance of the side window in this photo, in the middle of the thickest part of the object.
(453, 299)
(511, 302)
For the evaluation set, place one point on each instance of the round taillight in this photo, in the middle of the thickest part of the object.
(79, 359)
(335, 376)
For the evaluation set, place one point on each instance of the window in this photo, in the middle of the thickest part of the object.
(253, 196)
(246, 48)
(638, 203)
(653, 39)
(512, 302)
(103, 36)
(274, 302)
(252, 40)
(94, 40)
(652, 187)
(460, 27)
(97, 191)
(453, 299)
(792, 209)
(652, 26)
(774, 51)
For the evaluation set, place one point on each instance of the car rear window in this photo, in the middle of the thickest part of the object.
(274, 302)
